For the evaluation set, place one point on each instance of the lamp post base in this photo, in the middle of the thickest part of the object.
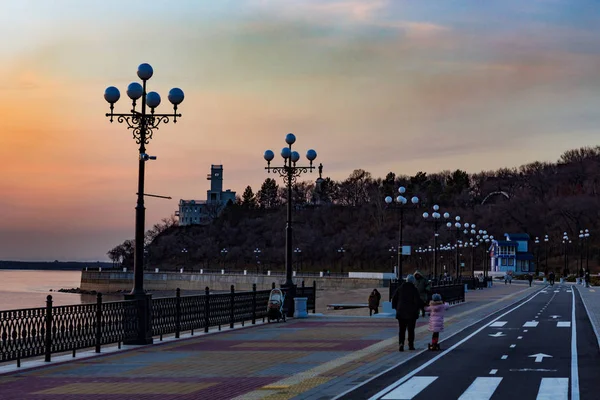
(290, 294)
(142, 313)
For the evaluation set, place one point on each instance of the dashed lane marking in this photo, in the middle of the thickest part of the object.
(563, 324)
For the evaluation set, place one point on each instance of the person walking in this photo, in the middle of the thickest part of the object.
(551, 278)
(587, 278)
(506, 277)
(374, 299)
(436, 308)
(423, 287)
(407, 303)
(530, 279)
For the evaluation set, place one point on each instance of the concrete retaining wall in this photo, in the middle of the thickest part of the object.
(111, 281)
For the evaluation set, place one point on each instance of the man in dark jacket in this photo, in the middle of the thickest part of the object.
(423, 287)
(407, 302)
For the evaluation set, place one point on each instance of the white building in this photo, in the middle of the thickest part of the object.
(193, 212)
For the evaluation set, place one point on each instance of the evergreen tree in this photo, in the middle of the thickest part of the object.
(248, 198)
(268, 195)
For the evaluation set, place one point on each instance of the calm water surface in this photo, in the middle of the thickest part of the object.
(28, 289)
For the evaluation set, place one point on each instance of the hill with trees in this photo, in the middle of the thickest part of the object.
(538, 198)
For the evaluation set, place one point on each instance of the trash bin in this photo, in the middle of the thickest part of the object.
(300, 307)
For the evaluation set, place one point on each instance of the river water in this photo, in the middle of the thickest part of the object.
(28, 289)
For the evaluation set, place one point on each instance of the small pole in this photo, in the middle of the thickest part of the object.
(98, 322)
(48, 344)
(206, 308)
(232, 307)
(177, 313)
(253, 303)
(314, 297)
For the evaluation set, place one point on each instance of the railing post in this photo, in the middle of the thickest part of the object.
(314, 297)
(98, 321)
(272, 285)
(253, 303)
(232, 306)
(302, 289)
(48, 346)
(206, 308)
(177, 312)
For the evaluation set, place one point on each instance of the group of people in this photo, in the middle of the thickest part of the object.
(410, 300)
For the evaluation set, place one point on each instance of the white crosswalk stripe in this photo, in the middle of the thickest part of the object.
(553, 389)
(410, 388)
(482, 388)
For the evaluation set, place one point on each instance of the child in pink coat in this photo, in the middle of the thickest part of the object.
(436, 309)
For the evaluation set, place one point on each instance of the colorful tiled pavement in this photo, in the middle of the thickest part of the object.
(313, 358)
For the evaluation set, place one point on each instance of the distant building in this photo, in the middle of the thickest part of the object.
(512, 254)
(196, 212)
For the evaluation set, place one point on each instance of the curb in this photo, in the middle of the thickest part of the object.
(587, 311)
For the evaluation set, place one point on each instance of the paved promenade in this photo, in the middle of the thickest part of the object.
(315, 358)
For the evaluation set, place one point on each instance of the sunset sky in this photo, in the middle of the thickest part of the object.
(396, 85)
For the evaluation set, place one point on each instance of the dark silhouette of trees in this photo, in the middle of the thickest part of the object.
(537, 198)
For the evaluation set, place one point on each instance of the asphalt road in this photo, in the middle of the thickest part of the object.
(541, 348)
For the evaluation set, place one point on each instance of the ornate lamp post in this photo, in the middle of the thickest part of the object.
(256, 257)
(546, 239)
(393, 251)
(341, 252)
(457, 226)
(224, 252)
(565, 241)
(142, 122)
(435, 215)
(289, 172)
(581, 237)
(298, 261)
(537, 255)
(401, 201)
(586, 233)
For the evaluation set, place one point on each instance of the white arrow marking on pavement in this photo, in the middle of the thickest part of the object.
(555, 316)
(497, 334)
(563, 324)
(540, 356)
(530, 324)
(504, 357)
(512, 346)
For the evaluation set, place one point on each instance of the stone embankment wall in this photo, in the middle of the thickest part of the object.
(112, 281)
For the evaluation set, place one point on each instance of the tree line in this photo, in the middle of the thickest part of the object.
(539, 198)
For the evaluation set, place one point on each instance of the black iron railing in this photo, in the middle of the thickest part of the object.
(47, 330)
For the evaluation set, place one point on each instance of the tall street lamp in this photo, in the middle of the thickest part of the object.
(546, 240)
(341, 252)
(224, 252)
(457, 226)
(586, 233)
(289, 172)
(142, 124)
(401, 201)
(256, 257)
(299, 259)
(435, 215)
(393, 251)
(565, 241)
(537, 255)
